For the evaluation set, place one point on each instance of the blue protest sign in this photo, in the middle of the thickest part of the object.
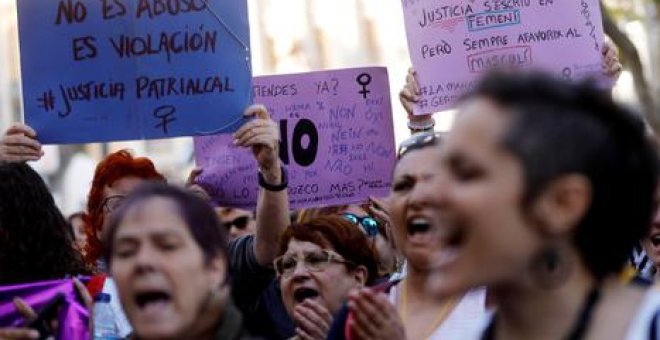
(104, 70)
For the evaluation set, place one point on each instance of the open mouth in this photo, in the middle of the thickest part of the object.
(300, 294)
(152, 298)
(418, 225)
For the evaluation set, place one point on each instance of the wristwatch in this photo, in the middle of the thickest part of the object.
(275, 187)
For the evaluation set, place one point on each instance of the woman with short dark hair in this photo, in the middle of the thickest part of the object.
(168, 255)
(547, 186)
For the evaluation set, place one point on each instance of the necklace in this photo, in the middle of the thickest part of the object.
(581, 324)
(445, 309)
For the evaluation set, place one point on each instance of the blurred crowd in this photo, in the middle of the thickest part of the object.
(533, 218)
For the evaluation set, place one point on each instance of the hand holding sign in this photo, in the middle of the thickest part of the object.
(409, 95)
(192, 185)
(261, 134)
(612, 68)
(18, 144)
(29, 315)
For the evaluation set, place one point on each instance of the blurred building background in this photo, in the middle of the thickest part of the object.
(294, 36)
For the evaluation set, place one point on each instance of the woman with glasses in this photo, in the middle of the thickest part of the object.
(374, 223)
(274, 319)
(115, 177)
(321, 261)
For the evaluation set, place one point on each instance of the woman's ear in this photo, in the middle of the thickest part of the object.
(563, 204)
(361, 274)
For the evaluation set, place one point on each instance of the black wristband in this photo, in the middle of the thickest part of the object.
(279, 187)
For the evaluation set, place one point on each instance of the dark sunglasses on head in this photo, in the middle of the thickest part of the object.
(419, 141)
(368, 223)
(238, 222)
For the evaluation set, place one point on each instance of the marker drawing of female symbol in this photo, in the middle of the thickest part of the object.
(364, 79)
(567, 73)
(164, 114)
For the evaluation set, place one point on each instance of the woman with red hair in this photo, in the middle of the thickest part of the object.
(115, 177)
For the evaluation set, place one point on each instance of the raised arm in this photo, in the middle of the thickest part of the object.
(262, 135)
(408, 96)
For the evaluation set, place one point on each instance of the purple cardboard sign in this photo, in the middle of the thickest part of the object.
(337, 140)
(454, 42)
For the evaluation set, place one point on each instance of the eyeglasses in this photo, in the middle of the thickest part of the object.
(315, 261)
(112, 203)
(368, 223)
(419, 141)
(238, 222)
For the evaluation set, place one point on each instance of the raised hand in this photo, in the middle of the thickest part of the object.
(262, 135)
(409, 96)
(374, 317)
(312, 320)
(18, 144)
(611, 65)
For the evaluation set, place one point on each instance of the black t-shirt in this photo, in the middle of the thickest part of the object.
(256, 293)
(271, 319)
(248, 278)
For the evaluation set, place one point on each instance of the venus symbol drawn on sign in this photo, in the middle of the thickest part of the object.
(364, 79)
(165, 114)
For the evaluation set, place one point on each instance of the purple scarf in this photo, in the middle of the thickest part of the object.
(73, 317)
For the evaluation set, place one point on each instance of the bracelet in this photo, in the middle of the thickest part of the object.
(422, 127)
(275, 187)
